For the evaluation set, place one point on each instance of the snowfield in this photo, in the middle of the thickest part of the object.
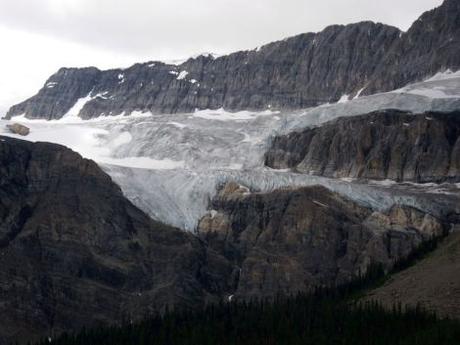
(172, 165)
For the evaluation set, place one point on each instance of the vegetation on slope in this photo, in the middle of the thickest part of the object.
(326, 316)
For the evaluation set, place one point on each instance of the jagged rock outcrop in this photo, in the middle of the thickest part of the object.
(298, 72)
(429, 46)
(280, 74)
(59, 94)
(294, 239)
(382, 145)
(74, 252)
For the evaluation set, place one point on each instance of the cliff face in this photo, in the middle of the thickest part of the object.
(292, 240)
(59, 94)
(298, 72)
(74, 252)
(383, 145)
(430, 45)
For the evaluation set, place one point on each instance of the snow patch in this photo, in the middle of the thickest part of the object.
(441, 85)
(446, 75)
(347, 179)
(344, 99)
(359, 93)
(223, 115)
(102, 95)
(182, 75)
(213, 213)
(385, 183)
(77, 107)
(433, 93)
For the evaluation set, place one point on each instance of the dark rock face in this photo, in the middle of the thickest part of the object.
(74, 252)
(283, 74)
(383, 145)
(301, 71)
(430, 45)
(59, 94)
(292, 240)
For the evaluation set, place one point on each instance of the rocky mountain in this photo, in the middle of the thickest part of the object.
(292, 239)
(74, 252)
(382, 145)
(429, 46)
(298, 72)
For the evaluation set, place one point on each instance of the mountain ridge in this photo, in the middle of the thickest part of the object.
(298, 72)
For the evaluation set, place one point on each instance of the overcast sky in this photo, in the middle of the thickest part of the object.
(39, 36)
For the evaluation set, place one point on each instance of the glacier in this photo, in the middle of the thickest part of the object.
(171, 166)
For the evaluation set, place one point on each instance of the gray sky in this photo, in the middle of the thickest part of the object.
(39, 36)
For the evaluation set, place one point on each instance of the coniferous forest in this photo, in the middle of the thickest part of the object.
(327, 316)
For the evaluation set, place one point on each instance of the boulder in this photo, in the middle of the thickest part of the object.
(17, 128)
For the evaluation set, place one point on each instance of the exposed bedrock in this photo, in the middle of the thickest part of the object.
(304, 70)
(382, 145)
(298, 72)
(74, 252)
(291, 240)
(430, 45)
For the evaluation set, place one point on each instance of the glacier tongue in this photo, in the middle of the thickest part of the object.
(181, 197)
(171, 165)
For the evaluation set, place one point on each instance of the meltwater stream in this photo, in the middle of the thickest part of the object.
(172, 165)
